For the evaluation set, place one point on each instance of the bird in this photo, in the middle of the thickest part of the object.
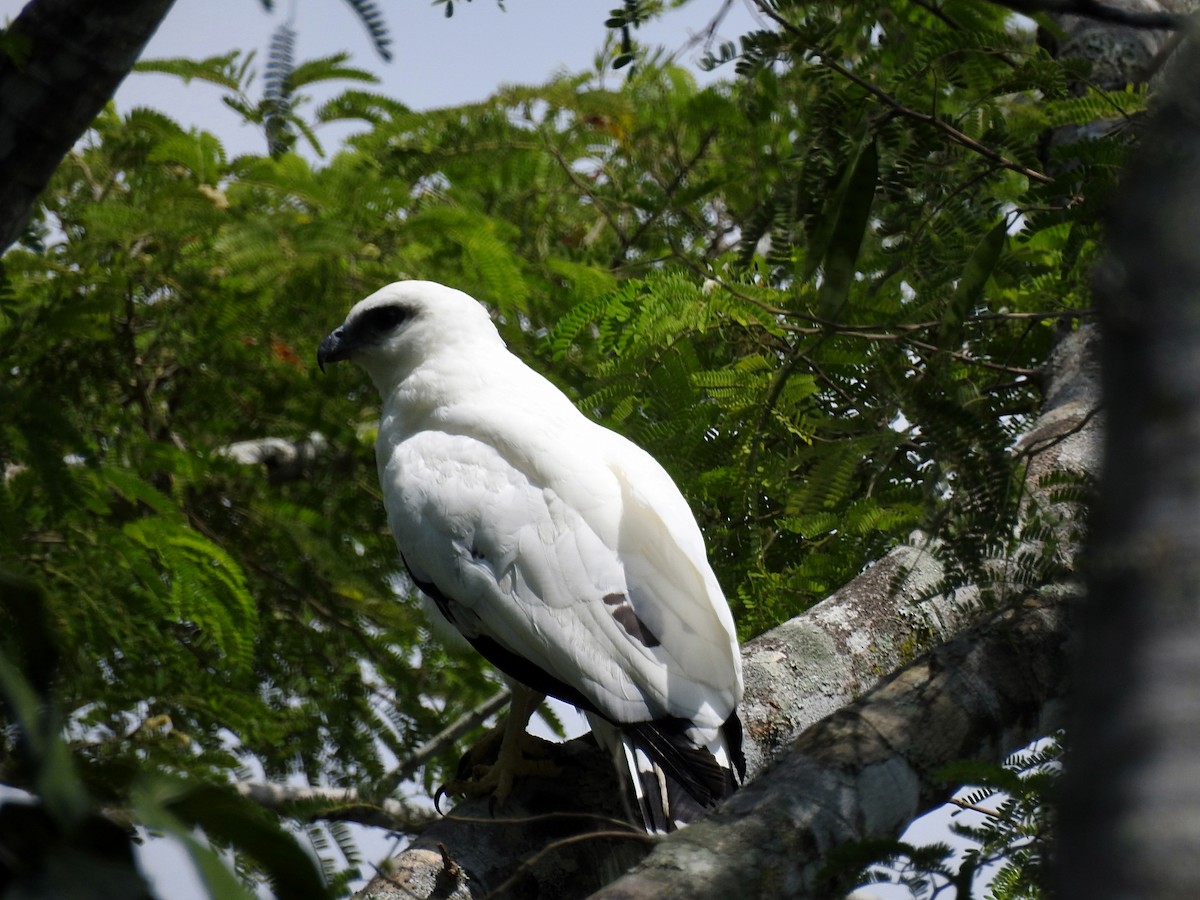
(561, 551)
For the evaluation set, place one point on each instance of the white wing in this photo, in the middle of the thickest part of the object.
(572, 549)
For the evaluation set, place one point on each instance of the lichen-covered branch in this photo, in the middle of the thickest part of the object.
(870, 768)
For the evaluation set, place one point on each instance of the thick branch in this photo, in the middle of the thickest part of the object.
(870, 768)
(818, 662)
(65, 62)
(1124, 16)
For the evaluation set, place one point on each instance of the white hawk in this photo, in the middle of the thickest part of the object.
(561, 551)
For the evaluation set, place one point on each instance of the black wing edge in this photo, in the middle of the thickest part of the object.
(502, 658)
(694, 781)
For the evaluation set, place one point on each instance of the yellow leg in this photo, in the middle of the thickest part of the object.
(511, 760)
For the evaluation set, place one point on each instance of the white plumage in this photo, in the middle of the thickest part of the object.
(563, 552)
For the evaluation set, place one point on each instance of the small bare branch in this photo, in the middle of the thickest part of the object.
(444, 739)
(340, 804)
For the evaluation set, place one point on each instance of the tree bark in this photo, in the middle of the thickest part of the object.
(64, 61)
(1130, 822)
(796, 675)
(870, 768)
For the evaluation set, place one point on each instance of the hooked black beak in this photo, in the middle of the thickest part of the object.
(333, 349)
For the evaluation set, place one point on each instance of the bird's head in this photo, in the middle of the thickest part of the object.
(399, 326)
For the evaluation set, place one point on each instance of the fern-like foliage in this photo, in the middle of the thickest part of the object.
(1006, 819)
(277, 91)
(369, 14)
(279, 110)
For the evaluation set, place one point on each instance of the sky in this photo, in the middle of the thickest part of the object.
(436, 62)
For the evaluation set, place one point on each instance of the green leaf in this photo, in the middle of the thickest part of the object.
(218, 70)
(328, 68)
(208, 586)
(231, 819)
(969, 291)
(151, 799)
(850, 217)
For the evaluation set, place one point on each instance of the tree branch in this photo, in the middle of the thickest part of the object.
(908, 112)
(339, 804)
(63, 64)
(1099, 12)
(870, 768)
(352, 805)
(443, 739)
(669, 190)
(941, 125)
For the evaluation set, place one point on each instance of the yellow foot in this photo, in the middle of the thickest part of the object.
(505, 753)
(497, 779)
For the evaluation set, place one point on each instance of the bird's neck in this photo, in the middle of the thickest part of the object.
(416, 397)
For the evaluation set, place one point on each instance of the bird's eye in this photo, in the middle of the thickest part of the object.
(383, 319)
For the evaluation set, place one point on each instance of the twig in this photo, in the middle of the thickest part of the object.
(940, 124)
(962, 804)
(582, 186)
(669, 190)
(904, 331)
(1033, 448)
(443, 739)
(343, 804)
(708, 34)
(544, 817)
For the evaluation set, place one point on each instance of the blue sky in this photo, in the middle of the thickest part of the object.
(437, 61)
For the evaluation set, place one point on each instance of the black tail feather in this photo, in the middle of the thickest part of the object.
(678, 778)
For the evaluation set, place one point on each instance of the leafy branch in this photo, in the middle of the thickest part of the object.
(908, 112)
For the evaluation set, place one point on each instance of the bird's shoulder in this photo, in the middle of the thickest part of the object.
(495, 413)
